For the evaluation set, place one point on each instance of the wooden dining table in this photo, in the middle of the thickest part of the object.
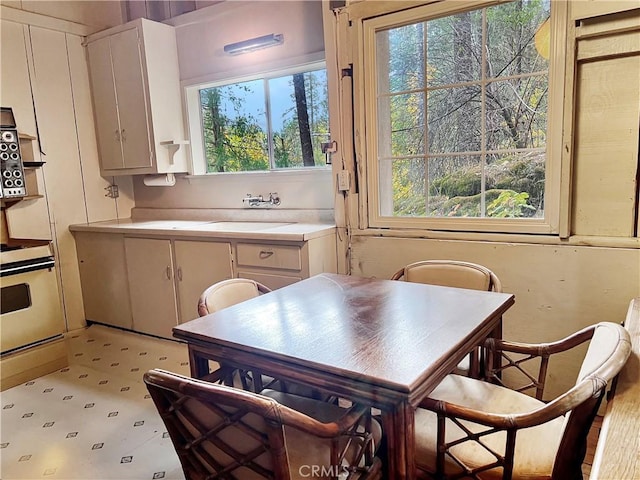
(379, 342)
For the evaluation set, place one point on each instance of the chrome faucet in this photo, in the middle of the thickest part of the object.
(259, 200)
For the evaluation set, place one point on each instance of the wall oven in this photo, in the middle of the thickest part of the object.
(31, 316)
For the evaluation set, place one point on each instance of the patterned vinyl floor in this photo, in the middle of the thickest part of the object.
(93, 419)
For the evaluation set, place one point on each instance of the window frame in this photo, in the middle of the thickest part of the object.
(366, 118)
(195, 121)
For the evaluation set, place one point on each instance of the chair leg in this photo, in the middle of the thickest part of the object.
(474, 363)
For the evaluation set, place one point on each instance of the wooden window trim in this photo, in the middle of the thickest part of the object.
(365, 24)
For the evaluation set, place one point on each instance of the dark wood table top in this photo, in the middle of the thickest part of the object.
(390, 334)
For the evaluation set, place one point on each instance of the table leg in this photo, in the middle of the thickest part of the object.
(497, 356)
(399, 427)
(199, 366)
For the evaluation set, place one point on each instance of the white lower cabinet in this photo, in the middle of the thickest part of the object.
(199, 264)
(103, 276)
(166, 278)
(151, 284)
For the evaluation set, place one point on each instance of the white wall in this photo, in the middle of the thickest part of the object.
(559, 289)
(560, 284)
(308, 190)
(96, 14)
(58, 81)
(201, 36)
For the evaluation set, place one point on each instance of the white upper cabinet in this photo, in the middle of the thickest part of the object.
(136, 96)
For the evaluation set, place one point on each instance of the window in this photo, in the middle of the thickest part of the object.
(272, 122)
(458, 118)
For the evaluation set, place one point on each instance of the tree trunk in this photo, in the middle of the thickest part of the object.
(217, 128)
(462, 47)
(463, 68)
(303, 120)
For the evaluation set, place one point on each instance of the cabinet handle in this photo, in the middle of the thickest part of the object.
(180, 273)
(265, 254)
(123, 134)
(117, 135)
(168, 272)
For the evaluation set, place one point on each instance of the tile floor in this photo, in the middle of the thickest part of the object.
(94, 419)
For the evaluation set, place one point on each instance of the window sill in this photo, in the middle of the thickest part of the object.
(289, 172)
(547, 239)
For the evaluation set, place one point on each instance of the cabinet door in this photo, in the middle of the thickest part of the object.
(103, 275)
(151, 285)
(104, 104)
(131, 99)
(199, 264)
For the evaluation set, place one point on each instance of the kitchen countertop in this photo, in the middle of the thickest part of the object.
(248, 230)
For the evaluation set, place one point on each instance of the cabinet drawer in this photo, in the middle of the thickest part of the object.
(269, 256)
(272, 281)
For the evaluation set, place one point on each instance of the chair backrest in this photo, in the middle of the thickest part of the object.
(608, 351)
(227, 293)
(224, 432)
(450, 273)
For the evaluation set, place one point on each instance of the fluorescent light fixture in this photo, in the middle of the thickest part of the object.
(252, 44)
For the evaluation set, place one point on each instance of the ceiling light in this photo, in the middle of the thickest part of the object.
(252, 44)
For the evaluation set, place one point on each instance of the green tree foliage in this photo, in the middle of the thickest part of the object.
(234, 119)
(233, 140)
(509, 204)
(466, 102)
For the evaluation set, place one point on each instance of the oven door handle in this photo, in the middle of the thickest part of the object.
(47, 264)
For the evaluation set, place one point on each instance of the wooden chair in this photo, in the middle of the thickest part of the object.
(230, 292)
(227, 433)
(450, 273)
(227, 293)
(469, 428)
(224, 294)
(453, 273)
